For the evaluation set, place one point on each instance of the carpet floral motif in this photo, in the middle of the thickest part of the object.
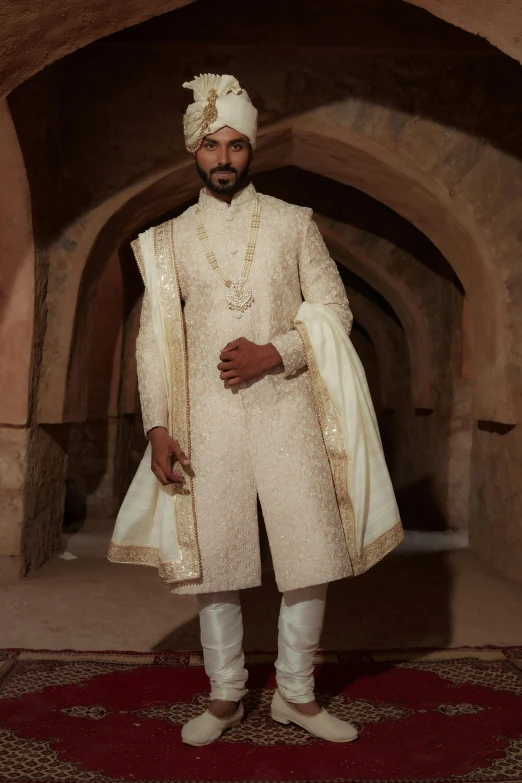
(89, 712)
(33, 676)
(28, 761)
(497, 675)
(505, 769)
(459, 709)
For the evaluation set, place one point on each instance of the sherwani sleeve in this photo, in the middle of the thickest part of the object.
(150, 375)
(320, 284)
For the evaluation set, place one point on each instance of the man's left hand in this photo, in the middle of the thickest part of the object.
(242, 360)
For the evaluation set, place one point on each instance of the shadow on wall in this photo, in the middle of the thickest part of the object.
(75, 504)
(419, 507)
(417, 451)
(104, 451)
(100, 492)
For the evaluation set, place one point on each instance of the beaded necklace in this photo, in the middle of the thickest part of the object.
(239, 299)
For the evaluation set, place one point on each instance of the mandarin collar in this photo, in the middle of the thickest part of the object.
(210, 202)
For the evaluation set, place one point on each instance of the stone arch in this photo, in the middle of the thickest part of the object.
(59, 34)
(332, 152)
(323, 146)
(499, 22)
(388, 339)
(17, 295)
(17, 270)
(408, 306)
(87, 246)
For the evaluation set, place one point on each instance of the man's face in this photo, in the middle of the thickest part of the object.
(223, 161)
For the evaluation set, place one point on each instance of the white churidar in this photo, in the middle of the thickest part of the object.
(221, 625)
(300, 626)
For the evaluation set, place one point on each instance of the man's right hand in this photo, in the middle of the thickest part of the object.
(164, 448)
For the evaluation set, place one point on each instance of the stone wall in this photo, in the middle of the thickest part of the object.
(496, 497)
(13, 468)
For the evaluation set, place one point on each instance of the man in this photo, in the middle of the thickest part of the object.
(254, 393)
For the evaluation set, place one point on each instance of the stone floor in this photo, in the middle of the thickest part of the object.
(431, 593)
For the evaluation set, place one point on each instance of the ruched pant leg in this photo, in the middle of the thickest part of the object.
(300, 626)
(221, 626)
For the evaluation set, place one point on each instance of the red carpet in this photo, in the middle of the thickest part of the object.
(447, 717)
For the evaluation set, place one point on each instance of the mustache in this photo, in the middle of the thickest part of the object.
(229, 169)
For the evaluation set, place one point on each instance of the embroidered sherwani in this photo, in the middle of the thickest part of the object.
(262, 438)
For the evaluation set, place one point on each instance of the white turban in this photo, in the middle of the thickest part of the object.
(219, 102)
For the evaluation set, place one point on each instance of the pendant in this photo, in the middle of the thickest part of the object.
(239, 298)
(237, 313)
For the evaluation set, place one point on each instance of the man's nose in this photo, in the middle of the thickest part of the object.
(224, 156)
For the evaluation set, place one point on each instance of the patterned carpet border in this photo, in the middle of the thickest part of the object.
(195, 658)
(9, 656)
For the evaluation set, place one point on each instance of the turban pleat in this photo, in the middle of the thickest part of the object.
(219, 102)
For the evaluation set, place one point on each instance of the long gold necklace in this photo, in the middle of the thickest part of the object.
(240, 298)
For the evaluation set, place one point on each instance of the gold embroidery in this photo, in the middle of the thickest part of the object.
(206, 118)
(183, 351)
(378, 549)
(334, 442)
(339, 464)
(178, 402)
(149, 556)
(134, 555)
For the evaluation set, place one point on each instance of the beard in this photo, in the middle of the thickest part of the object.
(241, 178)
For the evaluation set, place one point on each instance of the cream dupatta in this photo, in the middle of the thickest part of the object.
(365, 495)
(156, 525)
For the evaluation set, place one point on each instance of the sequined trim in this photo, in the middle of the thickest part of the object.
(188, 568)
(339, 464)
(187, 529)
(146, 556)
(378, 549)
(178, 402)
(334, 442)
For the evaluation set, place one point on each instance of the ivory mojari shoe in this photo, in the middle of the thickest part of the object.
(322, 725)
(206, 728)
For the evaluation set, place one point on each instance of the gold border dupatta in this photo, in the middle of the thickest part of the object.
(365, 495)
(156, 525)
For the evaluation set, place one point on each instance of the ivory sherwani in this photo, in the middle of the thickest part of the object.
(262, 438)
